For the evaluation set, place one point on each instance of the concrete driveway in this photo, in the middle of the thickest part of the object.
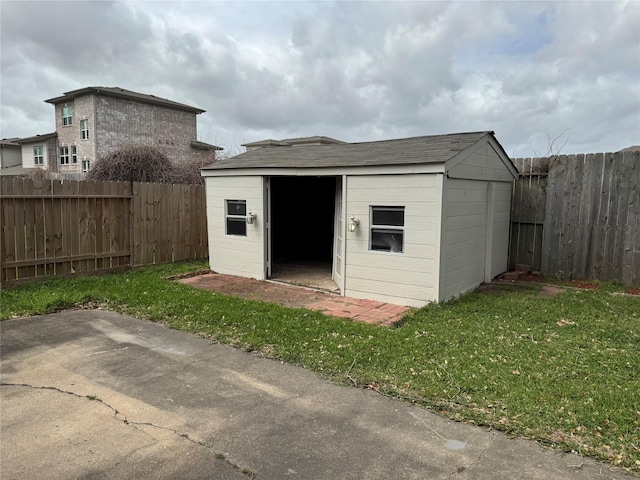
(92, 394)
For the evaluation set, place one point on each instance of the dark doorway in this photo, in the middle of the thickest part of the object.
(302, 218)
(302, 226)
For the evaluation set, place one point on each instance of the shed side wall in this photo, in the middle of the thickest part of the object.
(501, 224)
(230, 254)
(407, 278)
(465, 233)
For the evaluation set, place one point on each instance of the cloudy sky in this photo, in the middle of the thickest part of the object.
(356, 71)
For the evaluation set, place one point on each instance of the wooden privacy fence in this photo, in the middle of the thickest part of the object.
(67, 227)
(578, 216)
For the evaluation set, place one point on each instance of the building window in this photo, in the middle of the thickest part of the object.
(74, 154)
(387, 229)
(38, 157)
(86, 166)
(66, 116)
(84, 129)
(64, 155)
(236, 216)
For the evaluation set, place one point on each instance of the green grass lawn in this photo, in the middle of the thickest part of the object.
(563, 370)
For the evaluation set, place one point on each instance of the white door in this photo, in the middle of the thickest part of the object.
(267, 225)
(338, 247)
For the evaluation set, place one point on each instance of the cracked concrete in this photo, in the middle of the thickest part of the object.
(93, 394)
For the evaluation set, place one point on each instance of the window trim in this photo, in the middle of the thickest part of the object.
(67, 116)
(86, 165)
(38, 155)
(378, 228)
(235, 218)
(64, 155)
(74, 154)
(84, 129)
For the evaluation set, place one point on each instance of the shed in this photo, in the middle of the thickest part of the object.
(406, 221)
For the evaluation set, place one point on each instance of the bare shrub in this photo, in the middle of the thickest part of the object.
(189, 172)
(141, 163)
(134, 163)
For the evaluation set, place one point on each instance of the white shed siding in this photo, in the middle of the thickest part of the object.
(481, 162)
(410, 277)
(231, 254)
(501, 217)
(464, 239)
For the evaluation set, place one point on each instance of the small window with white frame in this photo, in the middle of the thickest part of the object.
(387, 229)
(236, 217)
(64, 155)
(86, 165)
(38, 155)
(67, 116)
(84, 129)
(74, 154)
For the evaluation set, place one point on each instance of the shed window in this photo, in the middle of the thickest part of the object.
(236, 216)
(387, 229)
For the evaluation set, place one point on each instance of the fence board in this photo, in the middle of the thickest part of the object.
(584, 216)
(8, 230)
(631, 254)
(29, 228)
(39, 226)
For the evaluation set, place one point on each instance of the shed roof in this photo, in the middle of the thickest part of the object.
(288, 142)
(404, 151)
(123, 93)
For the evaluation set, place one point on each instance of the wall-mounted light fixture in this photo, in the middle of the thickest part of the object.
(353, 224)
(251, 217)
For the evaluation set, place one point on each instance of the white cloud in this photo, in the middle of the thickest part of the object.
(354, 71)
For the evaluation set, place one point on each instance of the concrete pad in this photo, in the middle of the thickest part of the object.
(94, 394)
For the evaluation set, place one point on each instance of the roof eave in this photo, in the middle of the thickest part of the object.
(68, 96)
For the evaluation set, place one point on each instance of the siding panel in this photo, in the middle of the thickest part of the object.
(229, 254)
(464, 239)
(411, 277)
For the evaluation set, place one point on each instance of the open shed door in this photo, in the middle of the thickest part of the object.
(268, 250)
(339, 229)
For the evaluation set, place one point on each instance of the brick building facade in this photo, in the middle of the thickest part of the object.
(93, 121)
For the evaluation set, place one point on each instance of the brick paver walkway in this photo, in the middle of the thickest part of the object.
(368, 311)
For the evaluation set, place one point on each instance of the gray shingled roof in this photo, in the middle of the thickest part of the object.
(123, 93)
(286, 142)
(405, 151)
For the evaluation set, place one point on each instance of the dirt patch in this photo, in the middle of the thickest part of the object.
(549, 291)
(633, 291)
